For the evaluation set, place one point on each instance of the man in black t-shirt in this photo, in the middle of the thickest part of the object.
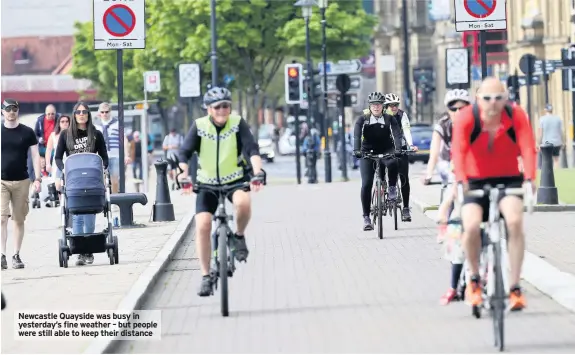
(16, 140)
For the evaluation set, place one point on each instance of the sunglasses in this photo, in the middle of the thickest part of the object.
(393, 105)
(454, 108)
(81, 112)
(11, 109)
(224, 106)
(104, 111)
(492, 97)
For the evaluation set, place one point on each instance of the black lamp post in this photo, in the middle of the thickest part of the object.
(327, 153)
(214, 54)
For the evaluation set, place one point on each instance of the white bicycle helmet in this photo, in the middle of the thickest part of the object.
(391, 98)
(456, 95)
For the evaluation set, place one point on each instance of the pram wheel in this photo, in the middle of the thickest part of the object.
(65, 257)
(111, 256)
(116, 253)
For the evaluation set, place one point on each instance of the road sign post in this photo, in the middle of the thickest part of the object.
(526, 65)
(118, 27)
(343, 84)
(151, 84)
(480, 15)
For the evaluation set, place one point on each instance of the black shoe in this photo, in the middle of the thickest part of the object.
(206, 287)
(89, 258)
(239, 248)
(367, 226)
(17, 262)
(4, 262)
(405, 214)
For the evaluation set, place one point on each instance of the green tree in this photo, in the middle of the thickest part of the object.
(255, 37)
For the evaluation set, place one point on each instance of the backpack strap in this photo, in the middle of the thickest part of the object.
(477, 123)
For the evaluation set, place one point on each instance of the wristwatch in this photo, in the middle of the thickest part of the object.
(38, 179)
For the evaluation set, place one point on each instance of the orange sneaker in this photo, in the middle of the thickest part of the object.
(447, 297)
(516, 299)
(473, 293)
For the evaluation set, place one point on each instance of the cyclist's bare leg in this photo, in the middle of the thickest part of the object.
(445, 207)
(511, 208)
(471, 218)
(243, 205)
(203, 222)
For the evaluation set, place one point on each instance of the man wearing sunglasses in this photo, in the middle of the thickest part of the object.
(491, 158)
(391, 105)
(45, 125)
(223, 142)
(17, 139)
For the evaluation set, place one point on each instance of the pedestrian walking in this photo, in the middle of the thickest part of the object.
(62, 123)
(81, 137)
(45, 125)
(171, 145)
(551, 131)
(111, 133)
(17, 139)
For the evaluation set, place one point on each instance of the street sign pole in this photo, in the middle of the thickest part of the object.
(545, 77)
(120, 84)
(530, 60)
(343, 83)
(483, 47)
(144, 135)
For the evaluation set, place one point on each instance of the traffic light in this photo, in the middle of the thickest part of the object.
(293, 83)
(315, 90)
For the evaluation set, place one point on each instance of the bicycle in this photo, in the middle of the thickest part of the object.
(223, 263)
(493, 261)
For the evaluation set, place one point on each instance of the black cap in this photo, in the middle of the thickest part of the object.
(10, 102)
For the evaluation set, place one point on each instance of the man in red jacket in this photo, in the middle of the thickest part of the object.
(491, 158)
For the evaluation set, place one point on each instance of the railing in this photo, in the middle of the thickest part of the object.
(31, 83)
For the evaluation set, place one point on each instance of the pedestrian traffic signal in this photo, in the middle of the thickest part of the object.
(293, 83)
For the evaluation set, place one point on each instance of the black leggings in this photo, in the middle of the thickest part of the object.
(404, 179)
(367, 170)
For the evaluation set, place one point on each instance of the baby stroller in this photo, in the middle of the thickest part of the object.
(84, 192)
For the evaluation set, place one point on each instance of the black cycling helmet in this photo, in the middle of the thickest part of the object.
(375, 97)
(217, 94)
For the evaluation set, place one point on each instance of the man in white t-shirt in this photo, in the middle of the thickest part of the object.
(111, 132)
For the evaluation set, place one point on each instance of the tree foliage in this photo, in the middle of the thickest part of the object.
(254, 38)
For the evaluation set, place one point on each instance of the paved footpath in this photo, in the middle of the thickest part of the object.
(316, 283)
(43, 285)
(550, 235)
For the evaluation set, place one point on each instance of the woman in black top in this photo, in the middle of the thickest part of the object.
(81, 137)
(376, 133)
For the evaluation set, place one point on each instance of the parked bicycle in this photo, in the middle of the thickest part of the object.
(493, 263)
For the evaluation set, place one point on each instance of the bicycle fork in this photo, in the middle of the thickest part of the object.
(215, 264)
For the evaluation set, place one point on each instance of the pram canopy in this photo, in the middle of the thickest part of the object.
(84, 183)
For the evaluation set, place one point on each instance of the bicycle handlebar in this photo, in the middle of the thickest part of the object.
(388, 155)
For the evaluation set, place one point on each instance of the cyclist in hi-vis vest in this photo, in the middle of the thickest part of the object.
(224, 144)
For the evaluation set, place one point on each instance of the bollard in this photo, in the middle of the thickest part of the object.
(163, 210)
(547, 192)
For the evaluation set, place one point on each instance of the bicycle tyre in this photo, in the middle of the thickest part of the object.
(223, 258)
(379, 210)
(498, 300)
(395, 207)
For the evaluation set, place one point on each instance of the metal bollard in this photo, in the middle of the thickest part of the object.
(163, 210)
(547, 192)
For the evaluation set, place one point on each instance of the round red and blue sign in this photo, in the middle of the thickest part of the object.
(119, 20)
(480, 8)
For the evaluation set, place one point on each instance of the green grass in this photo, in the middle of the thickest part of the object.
(565, 182)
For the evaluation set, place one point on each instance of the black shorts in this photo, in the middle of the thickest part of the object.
(207, 201)
(475, 184)
(556, 151)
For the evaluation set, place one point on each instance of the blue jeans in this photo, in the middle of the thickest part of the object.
(82, 224)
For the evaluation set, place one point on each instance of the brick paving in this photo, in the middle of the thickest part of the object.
(44, 285)
(549, 234)
(316, 283)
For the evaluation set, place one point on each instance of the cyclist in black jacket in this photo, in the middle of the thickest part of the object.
(376, 133)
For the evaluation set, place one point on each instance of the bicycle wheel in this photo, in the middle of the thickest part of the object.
(223, 257)
(498, 299)
(379, 210)
(394, 208)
